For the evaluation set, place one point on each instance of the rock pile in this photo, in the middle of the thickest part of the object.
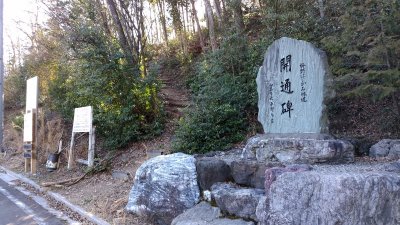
(294, 175)
(166, 190)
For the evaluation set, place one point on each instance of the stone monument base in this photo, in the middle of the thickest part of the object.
(298, 148)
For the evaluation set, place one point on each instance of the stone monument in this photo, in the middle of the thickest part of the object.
(294, 84)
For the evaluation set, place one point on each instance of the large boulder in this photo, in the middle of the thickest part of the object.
(331, 197)
(210, 171)
(164, 187)
(205, 214)
(272, 174)
(386, 148)
(235, 200)
(250, 173)
(298, 148)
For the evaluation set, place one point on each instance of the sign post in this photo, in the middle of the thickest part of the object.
(83, 118)
(30, 125)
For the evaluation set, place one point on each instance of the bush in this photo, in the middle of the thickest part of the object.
(224, 90)
(125, 103)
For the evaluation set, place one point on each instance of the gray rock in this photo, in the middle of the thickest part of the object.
(273, 173)
(205, 214)
(361, 145)
(210, 171)
(164, 187)
(386, 148)
(120, 175)
(293, 85)
(226, 221)
(392, 167)
(331, 197)
(201, 213)
(250, 172)
(227, 156)
(235, 200)
(299, 148)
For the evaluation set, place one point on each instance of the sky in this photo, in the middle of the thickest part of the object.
(20, 14)
(18, 17)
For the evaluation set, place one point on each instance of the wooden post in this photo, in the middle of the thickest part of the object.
(71, 161)
(27, 165)
(34, 142)
(91, 147)
(83, 118)
(28, 139)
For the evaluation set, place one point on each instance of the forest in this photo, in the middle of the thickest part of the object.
(109, 54)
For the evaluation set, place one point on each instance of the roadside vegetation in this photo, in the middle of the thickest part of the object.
(109, 54)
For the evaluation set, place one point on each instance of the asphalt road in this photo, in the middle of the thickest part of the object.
(19, 207)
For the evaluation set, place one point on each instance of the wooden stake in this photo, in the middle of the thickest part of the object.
(34, 142)
(27, 165)
(71, 161)
(91, 147)
(59, 147)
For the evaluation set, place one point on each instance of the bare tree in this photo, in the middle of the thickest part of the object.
(236, 7)
(218, 12)
(210, 22)
(321, 8)
(103, 14)
(120, 30)
(196, 18)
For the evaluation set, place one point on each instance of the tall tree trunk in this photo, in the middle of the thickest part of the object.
(130, 26)
(218, 11)
(182, 12)
(157, 23)
(321, 8)
(104, 19)
(224, 12)
(121, 34)
(142, 38)
(196, 18)
(187, 17)
(177, 23)
(184, 31)
(163, 21)
(150, 31)
(236, 6)
(210, 20)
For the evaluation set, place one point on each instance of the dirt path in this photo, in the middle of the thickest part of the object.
(176, 98)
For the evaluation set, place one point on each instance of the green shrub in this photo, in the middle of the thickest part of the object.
(18, 122)
(210, 128)
(125, 103)
(224, 91)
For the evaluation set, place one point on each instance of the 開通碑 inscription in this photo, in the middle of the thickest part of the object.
(293, 84)
(286, 64)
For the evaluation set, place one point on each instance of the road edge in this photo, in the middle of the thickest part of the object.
(58, 198)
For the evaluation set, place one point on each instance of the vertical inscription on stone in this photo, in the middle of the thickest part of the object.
(291, 85)
(303, 82)
(271, 102)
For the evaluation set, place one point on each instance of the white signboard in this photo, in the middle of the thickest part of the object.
(32, 92)
(82, 119)
(28, 127)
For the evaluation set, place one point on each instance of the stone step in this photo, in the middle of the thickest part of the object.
(204, 214)
(237, 201)
(298, 148)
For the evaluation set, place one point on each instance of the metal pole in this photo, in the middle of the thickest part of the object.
(1, 77)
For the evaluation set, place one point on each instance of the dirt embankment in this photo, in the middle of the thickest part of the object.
(104, 194)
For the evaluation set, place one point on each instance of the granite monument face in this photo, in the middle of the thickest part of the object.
(293, 85)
